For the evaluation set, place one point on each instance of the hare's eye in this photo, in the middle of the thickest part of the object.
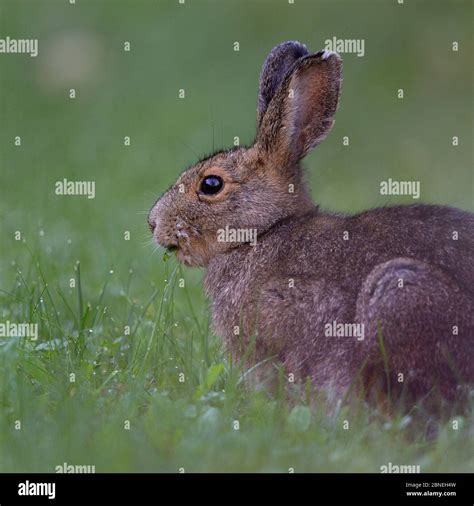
(211, 185)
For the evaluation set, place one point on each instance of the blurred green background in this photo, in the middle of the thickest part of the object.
(190, 47)
(134, 93)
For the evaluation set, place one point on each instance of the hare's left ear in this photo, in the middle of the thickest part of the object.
(279, 61)
(300, 114)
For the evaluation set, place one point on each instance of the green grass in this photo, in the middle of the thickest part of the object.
(83, 309)
(123, 377)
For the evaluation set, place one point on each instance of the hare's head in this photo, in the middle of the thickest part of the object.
(244, 191)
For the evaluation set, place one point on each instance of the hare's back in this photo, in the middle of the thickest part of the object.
(344, 249)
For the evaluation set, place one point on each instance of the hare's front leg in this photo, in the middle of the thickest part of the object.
(293, 318)
(419, 330)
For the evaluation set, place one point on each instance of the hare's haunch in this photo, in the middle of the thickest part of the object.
(384, 298)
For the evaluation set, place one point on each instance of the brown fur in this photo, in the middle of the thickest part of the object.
(309, 268)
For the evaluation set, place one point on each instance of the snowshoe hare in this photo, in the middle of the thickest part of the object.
(382, 299)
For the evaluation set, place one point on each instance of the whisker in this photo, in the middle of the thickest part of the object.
(190, 148)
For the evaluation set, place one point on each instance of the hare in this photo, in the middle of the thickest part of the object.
(383, 299)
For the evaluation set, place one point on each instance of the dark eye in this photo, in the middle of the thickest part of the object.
(211, 185)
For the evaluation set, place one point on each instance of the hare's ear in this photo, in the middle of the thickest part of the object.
(275, 67)
(301, 112)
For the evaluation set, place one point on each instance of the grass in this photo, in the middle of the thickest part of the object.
(121, 321)
(129, 383)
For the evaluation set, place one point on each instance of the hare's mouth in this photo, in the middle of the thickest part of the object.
(185, 243)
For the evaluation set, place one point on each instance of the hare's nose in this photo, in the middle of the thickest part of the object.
(151, 222)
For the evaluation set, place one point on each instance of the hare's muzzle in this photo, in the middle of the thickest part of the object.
(151, 223)
(161, 226)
